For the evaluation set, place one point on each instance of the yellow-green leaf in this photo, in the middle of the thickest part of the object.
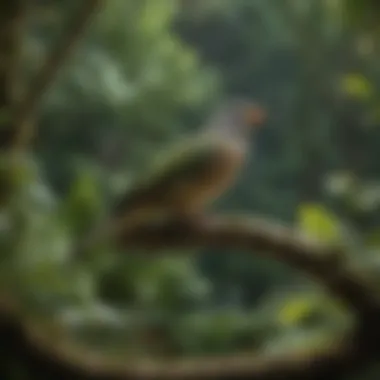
(357, 86)
(317, 222)
(295, 310)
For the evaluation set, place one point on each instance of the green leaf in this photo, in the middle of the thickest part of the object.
(315, 221)
(295, 310)
(309, 308)
(372, 240)
(83, 203)
(357, 86)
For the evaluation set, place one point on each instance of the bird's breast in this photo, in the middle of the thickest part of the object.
(216, 176)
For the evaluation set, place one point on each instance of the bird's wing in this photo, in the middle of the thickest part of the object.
(181, 165)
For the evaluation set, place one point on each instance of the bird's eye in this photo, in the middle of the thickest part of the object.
(254, 115)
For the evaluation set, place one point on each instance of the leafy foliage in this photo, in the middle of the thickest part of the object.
(145, 75)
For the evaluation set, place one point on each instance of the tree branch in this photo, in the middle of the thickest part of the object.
(11, 20)
(24, 122)
(326, 264)
(41, 356)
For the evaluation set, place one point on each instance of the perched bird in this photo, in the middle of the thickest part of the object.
(183, 181)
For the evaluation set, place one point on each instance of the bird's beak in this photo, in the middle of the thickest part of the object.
(256, 115)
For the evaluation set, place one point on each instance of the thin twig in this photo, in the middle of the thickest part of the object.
(12, 14)
(24, 121)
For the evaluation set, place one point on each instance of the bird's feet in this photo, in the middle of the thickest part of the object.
(187, 219)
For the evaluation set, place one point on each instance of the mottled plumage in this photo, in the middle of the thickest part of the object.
(184, 181)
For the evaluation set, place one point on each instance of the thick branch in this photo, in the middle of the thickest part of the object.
(324, 263)
(46, 356)
(25, 115)
(42, 357)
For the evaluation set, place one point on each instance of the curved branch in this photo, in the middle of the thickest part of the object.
(39, 355)
(326, 264)
(46, 359)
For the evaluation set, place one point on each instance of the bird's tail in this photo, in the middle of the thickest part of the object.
(130, 211)
(137, 205)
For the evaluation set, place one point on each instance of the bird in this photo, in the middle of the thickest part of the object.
(182, 181)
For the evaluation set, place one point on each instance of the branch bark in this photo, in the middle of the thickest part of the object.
(358, 348)
(324, 263)
(11, 20)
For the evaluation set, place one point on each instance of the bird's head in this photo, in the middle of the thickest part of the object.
(238, 117)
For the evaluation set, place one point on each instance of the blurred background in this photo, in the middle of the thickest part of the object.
(148, 72)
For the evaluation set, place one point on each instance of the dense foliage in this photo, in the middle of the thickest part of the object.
(147, 73)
